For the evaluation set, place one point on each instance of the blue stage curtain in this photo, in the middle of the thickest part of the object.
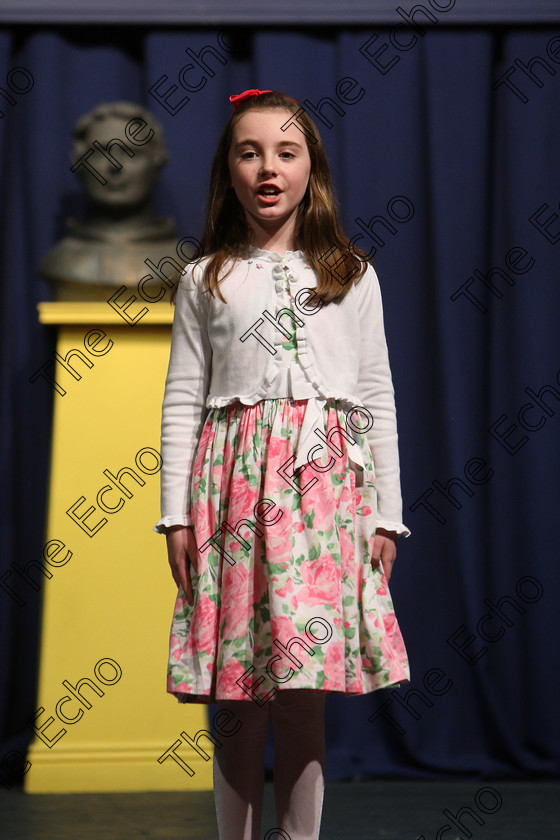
(445, 144)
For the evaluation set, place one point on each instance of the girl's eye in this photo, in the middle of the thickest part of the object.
(248, 155)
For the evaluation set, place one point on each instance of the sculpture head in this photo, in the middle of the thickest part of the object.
(131, 176)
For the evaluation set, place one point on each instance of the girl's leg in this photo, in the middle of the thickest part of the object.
(238, 772)
(298, 718)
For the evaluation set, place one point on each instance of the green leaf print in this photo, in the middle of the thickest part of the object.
(314, 552)
(308, 519)
(319, 653)
(348, 600)
(277, 568)
(219, 460)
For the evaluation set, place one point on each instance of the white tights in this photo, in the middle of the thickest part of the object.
(299, 767)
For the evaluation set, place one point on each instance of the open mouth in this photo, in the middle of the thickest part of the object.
(268, 192)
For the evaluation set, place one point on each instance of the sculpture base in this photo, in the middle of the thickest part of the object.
(104, 720)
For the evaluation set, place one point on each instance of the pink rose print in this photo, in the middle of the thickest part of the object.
(202, 514)
(228, 458)
(180, 604)
(324, 512)
(279, 540)
(234, 602)
(334, 663)
(394, 634)
(300, 649)
(243, 498)
(282, 628)
(279, 450)
(182, 686)
(354, 686)
(227, 680)
(346, 545)
(321, 580)
(396, 671)
(382, 589)
(286, 589)
(175, 647)
(346, 495)
(204, 627)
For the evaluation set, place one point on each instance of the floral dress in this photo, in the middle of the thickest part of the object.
(285, 595)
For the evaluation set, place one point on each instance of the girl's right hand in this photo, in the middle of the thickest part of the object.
(181, 548)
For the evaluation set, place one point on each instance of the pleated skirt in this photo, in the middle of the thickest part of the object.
(285, 592)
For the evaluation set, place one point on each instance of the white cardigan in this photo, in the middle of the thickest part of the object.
(222, 352)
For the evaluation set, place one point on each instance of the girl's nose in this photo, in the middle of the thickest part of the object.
(268, 166)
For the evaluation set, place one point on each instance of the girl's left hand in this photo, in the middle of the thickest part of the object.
(384, 547)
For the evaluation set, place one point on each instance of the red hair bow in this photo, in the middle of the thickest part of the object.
(235, 99)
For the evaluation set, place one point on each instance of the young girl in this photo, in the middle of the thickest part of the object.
(280, 490)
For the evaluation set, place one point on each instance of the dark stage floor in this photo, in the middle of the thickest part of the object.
(352, 811)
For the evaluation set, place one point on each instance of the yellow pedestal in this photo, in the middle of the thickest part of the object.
(107, 607)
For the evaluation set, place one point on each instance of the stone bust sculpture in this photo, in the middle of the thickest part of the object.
(118, 155)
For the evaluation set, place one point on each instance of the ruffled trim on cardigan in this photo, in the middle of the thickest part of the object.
(167, 521)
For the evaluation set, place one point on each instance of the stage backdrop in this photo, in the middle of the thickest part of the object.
(444, 145)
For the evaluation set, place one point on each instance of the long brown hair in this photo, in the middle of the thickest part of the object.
(318, 232)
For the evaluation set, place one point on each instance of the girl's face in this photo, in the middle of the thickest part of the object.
(269, 168)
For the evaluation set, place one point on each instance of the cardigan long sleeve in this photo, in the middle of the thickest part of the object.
(375, 388)
(184, 402)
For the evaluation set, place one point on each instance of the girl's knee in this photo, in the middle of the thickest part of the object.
(299, 709)
(252, 717)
